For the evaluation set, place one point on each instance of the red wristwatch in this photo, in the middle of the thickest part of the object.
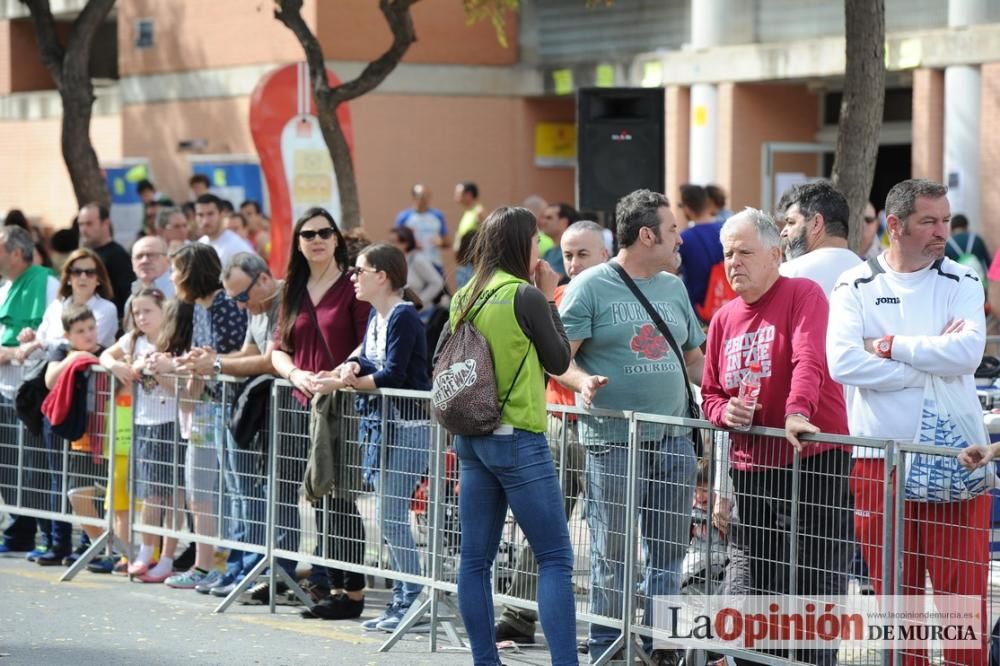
(883, 347)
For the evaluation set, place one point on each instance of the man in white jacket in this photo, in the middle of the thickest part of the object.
(895, 321)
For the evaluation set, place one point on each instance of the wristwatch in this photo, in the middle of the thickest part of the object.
(217, 365)
(883, 347)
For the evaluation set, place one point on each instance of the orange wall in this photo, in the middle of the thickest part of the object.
(750, 115)
(40, 184)
(928, 124)
(989, 154)
(678, 136)
(197, 35)
(356, 30)
(443, 140)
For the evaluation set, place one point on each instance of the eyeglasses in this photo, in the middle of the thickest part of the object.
(244, 295)
(148, 255)
(358, 270)
(89, 272)
(323, 233)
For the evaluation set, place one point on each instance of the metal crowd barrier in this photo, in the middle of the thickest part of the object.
(631, 502)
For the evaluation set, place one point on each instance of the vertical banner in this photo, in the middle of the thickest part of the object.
(293, 155)
(127, 211)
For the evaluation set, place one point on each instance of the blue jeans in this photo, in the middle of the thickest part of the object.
(664, 493)
(404, 459)
(245, 481)
(516, 470)
(60, 536)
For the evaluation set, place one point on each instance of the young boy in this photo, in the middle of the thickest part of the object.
(85, 474)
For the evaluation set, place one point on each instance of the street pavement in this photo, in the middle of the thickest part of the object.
(106, 620)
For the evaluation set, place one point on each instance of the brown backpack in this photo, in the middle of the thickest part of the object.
(464, 392)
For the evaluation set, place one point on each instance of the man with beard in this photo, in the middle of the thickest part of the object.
(814, 238)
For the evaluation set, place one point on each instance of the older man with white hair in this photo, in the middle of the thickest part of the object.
(777, 327)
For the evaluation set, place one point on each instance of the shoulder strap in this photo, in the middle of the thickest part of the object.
(954, 245)
(660, 324)
(322, 336)
(970, 240)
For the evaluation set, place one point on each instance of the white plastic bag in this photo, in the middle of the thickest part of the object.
(948, 419)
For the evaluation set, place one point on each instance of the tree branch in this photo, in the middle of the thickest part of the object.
(289, 12)
(86, 25)
(51, 50)
(397, 15)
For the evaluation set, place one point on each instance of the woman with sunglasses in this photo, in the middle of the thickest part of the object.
(84, 281)
(322, 323)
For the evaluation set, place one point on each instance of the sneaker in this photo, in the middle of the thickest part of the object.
(34, 554)
(14, 550)
(102, 565)
(505, 632)
(260, 594)
(222, 590)
(391, 623)
(315, 591)
(121, 567)
(70, 559)
(51, 558)
(372, 624)
(213, 579)
(340, 607)
(187, 580)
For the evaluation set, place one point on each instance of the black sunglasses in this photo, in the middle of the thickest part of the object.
(324, 233)
(244, 295)
(89, 272)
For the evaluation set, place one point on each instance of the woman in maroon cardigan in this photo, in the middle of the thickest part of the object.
(321, 324)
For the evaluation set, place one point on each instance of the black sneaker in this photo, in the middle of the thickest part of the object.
(260, 594)
(51, 558)
(340, 607)
(505, 632)
(70, 559)
(315, 591)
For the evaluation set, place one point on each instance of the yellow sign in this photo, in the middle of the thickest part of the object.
(312, 176)
(910, 54)
(700, 115)
(562, 79)
(136, 173)
(555, 144)
(219, 177)
(604, 76)
(119, 186)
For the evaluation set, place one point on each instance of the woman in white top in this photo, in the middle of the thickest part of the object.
(421, 276)
(84, 281)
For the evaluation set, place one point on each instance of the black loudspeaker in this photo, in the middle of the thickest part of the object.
(620, 144)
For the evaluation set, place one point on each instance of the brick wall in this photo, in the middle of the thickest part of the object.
(928, 124)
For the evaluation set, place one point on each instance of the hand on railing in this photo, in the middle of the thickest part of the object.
(327, 381)
(26, 335)
(124, 373)
(199, 361)
(795, 425)
(978, 455)
(721, 513)
(589, 388)
(303, 381)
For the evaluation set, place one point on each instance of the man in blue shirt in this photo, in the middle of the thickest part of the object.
(702, 248)
(427, 224)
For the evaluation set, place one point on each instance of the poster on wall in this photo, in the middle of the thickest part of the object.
(236, 178)
(126, 206)
(293, 155)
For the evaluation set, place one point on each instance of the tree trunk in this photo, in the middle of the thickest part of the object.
(397, 16)
(70, 69)
(861, 108)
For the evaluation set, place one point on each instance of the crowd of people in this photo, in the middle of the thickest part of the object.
(843, 343)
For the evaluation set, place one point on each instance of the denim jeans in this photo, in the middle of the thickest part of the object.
(60, 536)
(516, 470)
(246, 481)
(404, 459)
(664, 492)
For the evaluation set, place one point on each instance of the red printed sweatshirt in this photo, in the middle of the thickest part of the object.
(785, 331)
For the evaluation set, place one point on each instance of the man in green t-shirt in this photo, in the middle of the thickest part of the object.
(623, 362)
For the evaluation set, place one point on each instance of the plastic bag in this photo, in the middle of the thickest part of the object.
(951, 419)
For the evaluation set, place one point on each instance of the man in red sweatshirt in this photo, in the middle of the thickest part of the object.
(780, 323)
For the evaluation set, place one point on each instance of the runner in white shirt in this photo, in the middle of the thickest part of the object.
(208, 212)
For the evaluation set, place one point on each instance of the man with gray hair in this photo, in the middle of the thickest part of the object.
(26, 292)
(776, 328)
(172, 227)
(622, 361)
(248, 281)
(814, 238)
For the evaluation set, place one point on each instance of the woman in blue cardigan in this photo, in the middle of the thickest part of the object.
(393, 355)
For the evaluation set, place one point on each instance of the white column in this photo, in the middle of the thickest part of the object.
(708, 21)
(962, 92)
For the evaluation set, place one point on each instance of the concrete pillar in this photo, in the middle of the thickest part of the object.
(708, 22)
(928, 124)
(962, 120)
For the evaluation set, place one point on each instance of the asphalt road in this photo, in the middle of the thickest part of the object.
(106, 620)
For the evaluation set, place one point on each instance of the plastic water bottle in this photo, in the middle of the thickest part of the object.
(750, 390)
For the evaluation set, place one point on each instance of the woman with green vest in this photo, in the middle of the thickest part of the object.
(512, 466)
